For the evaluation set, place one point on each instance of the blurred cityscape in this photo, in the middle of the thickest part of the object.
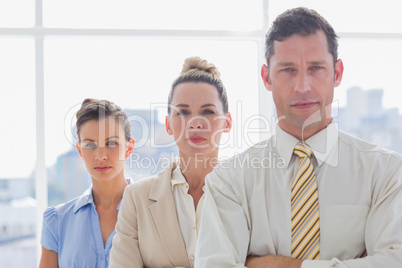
(363, 116)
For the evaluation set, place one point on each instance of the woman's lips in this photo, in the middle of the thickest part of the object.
(102, 168)
(196, 139)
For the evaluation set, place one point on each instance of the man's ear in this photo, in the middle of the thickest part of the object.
(130, 148)
(167, 125)
(338, 72)
(265, 77)
(77, 144)
(228, 123)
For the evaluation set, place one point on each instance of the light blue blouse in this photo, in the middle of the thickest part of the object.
(73, 231)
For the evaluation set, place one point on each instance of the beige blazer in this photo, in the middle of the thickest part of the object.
(147, 230)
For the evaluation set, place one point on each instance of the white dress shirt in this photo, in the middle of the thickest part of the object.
(188, 217)
(247, 203)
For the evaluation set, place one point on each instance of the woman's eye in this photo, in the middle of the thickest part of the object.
(90, 145)
(183, 112)
(112, 143)
(208, 112)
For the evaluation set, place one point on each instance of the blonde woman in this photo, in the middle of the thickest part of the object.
(160, 215)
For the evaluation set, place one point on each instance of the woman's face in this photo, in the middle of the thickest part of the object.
(103, 148)
(197, 119)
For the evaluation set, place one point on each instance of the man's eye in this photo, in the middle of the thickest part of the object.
(316, 67)
(287, 69)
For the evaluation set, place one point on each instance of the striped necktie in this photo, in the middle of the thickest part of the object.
(305, 209)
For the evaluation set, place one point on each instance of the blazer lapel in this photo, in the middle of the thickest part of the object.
(163, 212)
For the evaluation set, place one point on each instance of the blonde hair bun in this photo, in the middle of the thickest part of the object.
(196, 63)
(197, 70)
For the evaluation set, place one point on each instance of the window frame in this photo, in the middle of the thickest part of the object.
(38, 32)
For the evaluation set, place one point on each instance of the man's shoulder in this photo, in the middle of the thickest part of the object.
(369, 152)
(259, 148)
(247, 159)
(363, 146)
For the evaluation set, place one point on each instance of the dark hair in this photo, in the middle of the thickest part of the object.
(301, 21)
(196, 70)
(93, 109)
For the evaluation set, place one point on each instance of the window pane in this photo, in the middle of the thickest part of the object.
(18, 107)
(137, 75)
(370, 91)
(17, 13)
(154, 14)
(350, 16)
(17, 160)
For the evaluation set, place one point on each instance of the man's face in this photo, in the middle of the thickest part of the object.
(302, 78)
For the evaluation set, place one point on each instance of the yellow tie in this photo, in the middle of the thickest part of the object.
(305, 209)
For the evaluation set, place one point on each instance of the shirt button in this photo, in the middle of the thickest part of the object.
(192, 257)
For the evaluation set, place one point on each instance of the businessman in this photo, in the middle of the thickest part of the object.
(331, 200)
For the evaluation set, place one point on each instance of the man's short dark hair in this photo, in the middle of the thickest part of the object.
(302, 21)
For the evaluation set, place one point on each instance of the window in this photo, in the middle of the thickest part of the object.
(130, 52)
(122, 54)
(17, 13)
(154, 14)
(18, 136)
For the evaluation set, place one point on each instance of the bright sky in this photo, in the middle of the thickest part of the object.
(136, 73)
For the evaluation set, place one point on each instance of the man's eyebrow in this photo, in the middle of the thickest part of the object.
(288, 63)
(317, 62)
(285, 64)
(112, 137)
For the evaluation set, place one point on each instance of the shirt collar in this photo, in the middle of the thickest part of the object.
(177, 177)
(324, 145)
(87, 198)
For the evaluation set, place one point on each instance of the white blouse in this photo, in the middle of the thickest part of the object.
(188, 217)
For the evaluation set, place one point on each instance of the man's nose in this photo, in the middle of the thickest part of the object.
(303, 83)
